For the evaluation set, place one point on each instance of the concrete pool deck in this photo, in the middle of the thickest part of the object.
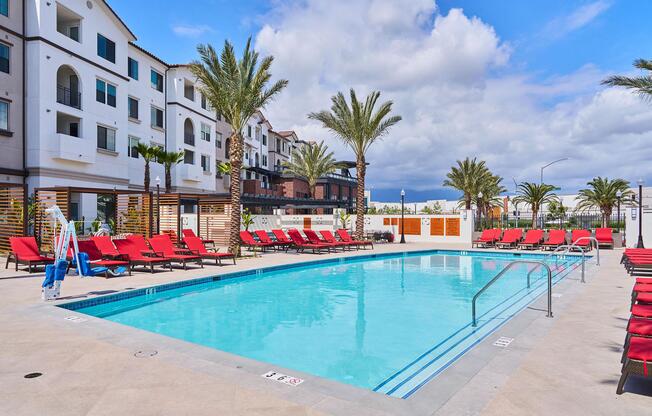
(566, 365)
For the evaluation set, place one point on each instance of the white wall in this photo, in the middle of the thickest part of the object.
(631, 226)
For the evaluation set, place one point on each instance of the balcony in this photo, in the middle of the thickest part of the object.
(189, 138)
(68, 97)
(75, 149)
(191, 173)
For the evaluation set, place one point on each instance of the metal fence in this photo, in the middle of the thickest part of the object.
(546, 220)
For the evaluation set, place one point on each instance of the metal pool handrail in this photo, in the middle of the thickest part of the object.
(503, 271)
(567, 248)
(597, 247)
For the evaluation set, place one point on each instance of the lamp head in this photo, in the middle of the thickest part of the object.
(479, 194)
(158, 180)
(619, 194)
(640, 182)
(402, 192)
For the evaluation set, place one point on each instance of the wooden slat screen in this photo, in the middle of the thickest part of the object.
(12, 214)
(307, 223)
(453, 226)
(412, 226)
(133, 212)
(43, 222)
(214, 220)
(436, 226)
(169, 215)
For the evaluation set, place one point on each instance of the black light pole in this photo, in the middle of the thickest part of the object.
(619, 195)
(158, 201)
(639, 244)
(402, 216)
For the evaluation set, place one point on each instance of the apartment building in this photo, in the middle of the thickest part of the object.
(12, 157)
(92, 94)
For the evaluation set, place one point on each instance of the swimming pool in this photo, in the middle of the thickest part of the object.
(387, 323)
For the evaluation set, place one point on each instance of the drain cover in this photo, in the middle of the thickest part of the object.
(503, 342)
(33, 375)
(145, 353)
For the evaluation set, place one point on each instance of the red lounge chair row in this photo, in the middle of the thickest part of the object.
(637, 351)
(313, 241)
(637, 260)
(513, 238)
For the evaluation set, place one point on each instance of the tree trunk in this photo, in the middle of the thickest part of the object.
(146, 181)
(534, 218)
(168, 179)
(606, 214)
(467, 202)
(236, 165)
(361, 167)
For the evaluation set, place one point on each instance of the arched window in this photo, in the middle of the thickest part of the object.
(257, 160)
(68, 87)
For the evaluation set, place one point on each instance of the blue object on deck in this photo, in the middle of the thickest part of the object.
(85, 266)
(55, 272)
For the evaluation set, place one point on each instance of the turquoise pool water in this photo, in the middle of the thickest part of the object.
(387, 323)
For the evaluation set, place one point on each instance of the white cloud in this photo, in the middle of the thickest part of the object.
(579, 18)
(438, 70)
(191, 31)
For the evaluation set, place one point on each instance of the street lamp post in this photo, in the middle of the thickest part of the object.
(639, 244)
(480, 209)
(619, 195)
(158, 201)
(551, 163)
(402, 216)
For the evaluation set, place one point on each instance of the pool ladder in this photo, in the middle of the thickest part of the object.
(538, 263)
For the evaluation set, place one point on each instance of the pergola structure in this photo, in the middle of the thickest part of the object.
(212, 215)
(13, 213)
(134, 210)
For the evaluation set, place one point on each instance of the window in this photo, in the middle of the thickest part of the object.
(161, 149)
(157, 81)
(4, 57)
(157, 117)
(205, 132)
(188, 90)
(264, 160)
(105, 93)
(203, 102)
(218, 140)
(4, 115)
(131, 150)
(133, 108)
(105, 48)
(264, 140)
(132, 68)
(189, 157)
(206, 163)
(278, 145)
(68, 22)
(105, 138)
(248, 131)
(4, 7)
(219, 116)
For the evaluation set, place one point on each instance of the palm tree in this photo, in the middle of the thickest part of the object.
(236, 89)
(641, 85)
(148, 153)
(358, 126)
(311, 162)
(168, 159)
(490, 186)
(535, 195)
(603, 195)
(466, 177)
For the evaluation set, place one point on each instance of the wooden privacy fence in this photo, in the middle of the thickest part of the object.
(212, 215)
(13, 213)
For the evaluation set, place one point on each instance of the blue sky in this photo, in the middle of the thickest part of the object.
(515, 83)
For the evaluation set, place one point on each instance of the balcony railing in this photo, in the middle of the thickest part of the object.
(189, 138)
(68, 97)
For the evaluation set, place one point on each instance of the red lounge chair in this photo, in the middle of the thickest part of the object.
(141, 244)
(638, 354)
(330, 238)
(189, 232)
(249, 241)
(533, 239)
(24, 250)
(555, 239)
(95, 256)
(511, 238)
(281, 237)
(196, 245)
(128, 250)
(605, 237)
(344, 236)
(301, 244)
(313, 238)
(164, 246)
(487, 238)
(584, 243)
(106, 247)
(263, 237)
